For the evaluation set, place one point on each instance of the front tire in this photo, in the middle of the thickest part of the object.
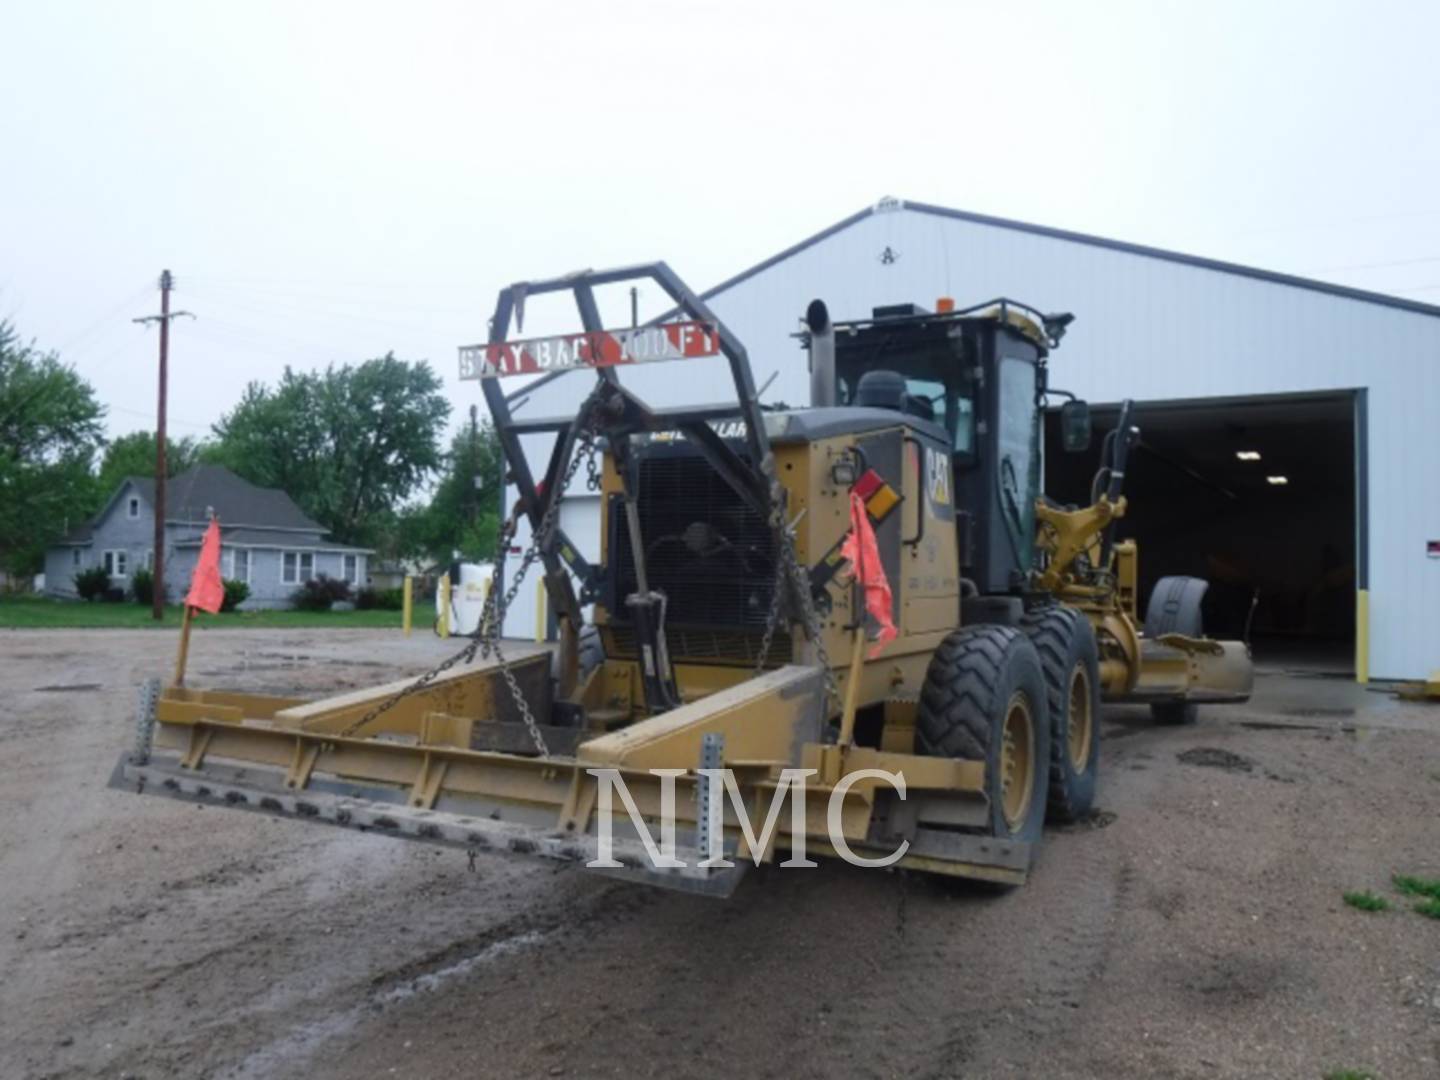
(985, 699)
(1065, 642)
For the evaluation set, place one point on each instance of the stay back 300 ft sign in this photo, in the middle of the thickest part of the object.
(604, 348)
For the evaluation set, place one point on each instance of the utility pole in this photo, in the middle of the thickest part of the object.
(167, 282)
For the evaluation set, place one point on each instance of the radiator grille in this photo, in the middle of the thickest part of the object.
(707, 551)
(703, 645)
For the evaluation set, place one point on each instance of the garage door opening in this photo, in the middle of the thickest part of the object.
(1258, 497)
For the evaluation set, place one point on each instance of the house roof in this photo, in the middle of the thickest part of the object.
(190, 497)
(888, 205)
(194, 493)
(80, 534)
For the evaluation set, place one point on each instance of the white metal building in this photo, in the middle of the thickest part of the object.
(1335, 526)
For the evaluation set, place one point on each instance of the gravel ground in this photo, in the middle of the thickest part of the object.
(1194, 928)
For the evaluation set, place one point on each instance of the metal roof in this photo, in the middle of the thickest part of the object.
(890, 205)
(1274, 278)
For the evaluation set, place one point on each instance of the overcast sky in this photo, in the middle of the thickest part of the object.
(332, 181)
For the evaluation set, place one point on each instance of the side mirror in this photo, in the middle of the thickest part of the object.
(1075, 426)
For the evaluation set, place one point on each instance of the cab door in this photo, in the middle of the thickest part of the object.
(929, 585)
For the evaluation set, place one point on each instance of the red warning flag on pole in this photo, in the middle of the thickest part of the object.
(207, 590)
(862, 552)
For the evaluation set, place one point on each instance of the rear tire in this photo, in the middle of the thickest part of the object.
(985, 699)
(1065, 642)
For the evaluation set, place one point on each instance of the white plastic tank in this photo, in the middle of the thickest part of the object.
(469, 586)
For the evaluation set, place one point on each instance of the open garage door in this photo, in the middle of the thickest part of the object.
(1256, 495)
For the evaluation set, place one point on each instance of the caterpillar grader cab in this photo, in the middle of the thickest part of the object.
(864, 608)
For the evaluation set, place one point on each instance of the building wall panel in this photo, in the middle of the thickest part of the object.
(1146, 328)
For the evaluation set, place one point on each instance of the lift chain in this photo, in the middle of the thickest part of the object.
(788, 568)
(486, 640)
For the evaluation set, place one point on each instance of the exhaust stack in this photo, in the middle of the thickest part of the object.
(822, 354)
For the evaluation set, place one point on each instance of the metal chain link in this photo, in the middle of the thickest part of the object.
(810, 615)
(486, 640)
(772, 618)
(592, 470)
(787, 567)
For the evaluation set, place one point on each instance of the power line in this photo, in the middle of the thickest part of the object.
(102, 320)
(148, 415)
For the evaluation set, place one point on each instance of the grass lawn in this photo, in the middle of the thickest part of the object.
(30, 613)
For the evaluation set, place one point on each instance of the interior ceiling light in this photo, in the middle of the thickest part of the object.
(1277, 480)
(1248, 455)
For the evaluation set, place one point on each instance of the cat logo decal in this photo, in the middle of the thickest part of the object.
(937, 468)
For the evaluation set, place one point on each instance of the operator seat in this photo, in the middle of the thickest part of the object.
(884, 389)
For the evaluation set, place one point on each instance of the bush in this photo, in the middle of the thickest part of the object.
(142, 586)
(92, 583)
(369, 598)
(114, 596)
(236, 593)
(320, 593)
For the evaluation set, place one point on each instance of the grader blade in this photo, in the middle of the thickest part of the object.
(425, 769)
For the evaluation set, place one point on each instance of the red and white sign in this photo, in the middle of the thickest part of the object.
(605, 348)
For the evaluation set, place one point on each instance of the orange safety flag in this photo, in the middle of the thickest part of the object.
(207, 590)
(861, 551)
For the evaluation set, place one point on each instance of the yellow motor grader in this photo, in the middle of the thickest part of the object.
(743, 647)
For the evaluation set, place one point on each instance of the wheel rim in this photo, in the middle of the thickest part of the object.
(1017, 762)
(1081, 731)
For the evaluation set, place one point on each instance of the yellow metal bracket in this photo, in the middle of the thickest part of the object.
(1066, 533)
(200, 737)
(302, 764)
(426, 788)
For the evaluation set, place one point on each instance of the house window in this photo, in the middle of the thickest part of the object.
(75, 558)
(352, 569)
(297, 566)
(237, 564)
(117, 563)
(132, 508)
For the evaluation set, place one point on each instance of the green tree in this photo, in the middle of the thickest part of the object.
(463, 513)
(349, 444)
(134, 455)
(49, 433)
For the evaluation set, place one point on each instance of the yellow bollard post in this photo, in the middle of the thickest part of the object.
(442, 624)
(1362, 636)
(407, 606)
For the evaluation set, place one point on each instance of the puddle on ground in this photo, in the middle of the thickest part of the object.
(1209, 757)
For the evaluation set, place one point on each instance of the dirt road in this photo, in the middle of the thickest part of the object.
(1195, 928)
